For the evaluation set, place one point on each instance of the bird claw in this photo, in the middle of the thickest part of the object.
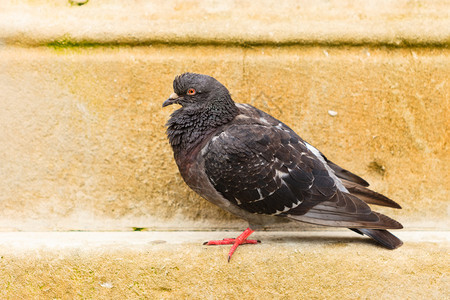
(230, 241)
(240, 240)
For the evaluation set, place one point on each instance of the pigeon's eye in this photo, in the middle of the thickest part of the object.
(191, 92)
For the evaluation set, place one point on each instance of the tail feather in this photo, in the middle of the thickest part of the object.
(368, 195)
(345, 174)
(383, 237)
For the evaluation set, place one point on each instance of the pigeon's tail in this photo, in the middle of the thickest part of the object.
(383, 237)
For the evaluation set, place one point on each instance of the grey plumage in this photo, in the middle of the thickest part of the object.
(251, 164)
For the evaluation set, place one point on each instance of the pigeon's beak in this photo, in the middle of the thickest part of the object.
(173, 98)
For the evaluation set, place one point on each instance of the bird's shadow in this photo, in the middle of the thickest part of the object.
(319, 240)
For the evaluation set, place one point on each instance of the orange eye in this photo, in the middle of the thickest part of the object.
(191, 92)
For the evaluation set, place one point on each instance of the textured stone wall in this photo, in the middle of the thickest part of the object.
(82, 143)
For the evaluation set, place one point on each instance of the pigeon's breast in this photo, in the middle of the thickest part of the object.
(191, 166)
(190, 162)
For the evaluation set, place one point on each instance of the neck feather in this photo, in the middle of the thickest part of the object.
(189, 126)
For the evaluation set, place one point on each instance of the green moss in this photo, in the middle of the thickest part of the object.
(67, 42)
(139, 228)
(78, 3)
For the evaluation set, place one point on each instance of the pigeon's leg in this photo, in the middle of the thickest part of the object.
(240, 240)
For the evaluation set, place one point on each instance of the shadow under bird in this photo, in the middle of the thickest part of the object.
(254, 166)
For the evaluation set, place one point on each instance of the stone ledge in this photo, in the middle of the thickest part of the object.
(21, 242)
(285, 265)
(351, 22)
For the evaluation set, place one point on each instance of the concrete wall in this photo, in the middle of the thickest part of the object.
(82, 143)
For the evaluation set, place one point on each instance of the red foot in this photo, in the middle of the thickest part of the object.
(229, 242)
(240, 240)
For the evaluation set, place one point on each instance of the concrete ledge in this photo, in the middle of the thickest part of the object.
(17, 242)
(174, 265)
(351, 22)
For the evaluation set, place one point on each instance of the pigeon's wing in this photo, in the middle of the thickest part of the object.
(263, 169)
(345, 174)
(338, 171)
(368, 195)
(269, 170)
(355, 184)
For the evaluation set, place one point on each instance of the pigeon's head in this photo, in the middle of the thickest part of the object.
(191, 89)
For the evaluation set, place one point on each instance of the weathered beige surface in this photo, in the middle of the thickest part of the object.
(82, 143)
(400, 22)
(146, 265)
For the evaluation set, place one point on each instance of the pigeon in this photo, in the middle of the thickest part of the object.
(254, 166)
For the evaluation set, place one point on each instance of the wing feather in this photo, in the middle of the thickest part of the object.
(264, 169)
